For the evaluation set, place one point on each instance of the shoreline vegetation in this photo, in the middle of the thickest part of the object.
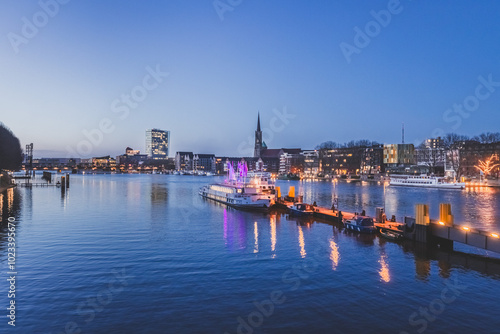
(11, 157)
(6, 182)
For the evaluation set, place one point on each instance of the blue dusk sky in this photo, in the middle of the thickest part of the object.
(87, 78)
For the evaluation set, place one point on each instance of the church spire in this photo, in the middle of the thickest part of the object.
(258, 139)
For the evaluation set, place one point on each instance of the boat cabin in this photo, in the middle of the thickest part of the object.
(302, 206)
(363, 221)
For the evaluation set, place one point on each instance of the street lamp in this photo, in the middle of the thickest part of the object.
(385, 185)
(335, 197)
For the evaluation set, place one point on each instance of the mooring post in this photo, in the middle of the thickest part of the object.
(291, 194)
(445, 215)
(445, 222)
(67, 180)
(422, 223)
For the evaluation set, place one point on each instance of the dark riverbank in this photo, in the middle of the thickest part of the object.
(5, 182)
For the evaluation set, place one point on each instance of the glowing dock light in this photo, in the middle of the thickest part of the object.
(494, 235)
(465, 228)
(441, 223)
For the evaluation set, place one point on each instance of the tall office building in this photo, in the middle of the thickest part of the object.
(399, 154)
(157, 143)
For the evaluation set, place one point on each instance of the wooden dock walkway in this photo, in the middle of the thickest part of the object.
(431, 232)
(320, 212)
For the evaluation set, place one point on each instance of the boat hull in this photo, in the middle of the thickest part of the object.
(391, 235)
(299, 213)
(360, 229)
(259, 205)
(457, 186)
(424, 181)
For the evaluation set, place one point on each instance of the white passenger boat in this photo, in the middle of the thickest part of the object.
(424, 181)
(253, 191)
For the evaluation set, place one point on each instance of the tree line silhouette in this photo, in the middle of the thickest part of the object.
(11, 154)
(448, 140)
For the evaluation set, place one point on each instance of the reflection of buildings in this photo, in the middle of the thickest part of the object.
(10, 204)
(384, 269)
(159, 198)
(302, 243)
(422, 267)
(256, 237)
(157, 143)
(234, 229)
(334, 254)
(273, 235)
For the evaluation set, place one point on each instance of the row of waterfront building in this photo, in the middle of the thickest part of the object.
(455, 159)
(461, 159)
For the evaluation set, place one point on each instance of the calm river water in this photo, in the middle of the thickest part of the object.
(146, 254)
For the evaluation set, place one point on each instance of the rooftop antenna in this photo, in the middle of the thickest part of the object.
(403, 133)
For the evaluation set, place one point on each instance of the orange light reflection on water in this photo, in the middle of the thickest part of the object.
(384, 269)
(256, 237)
(273, 236)
(334, 254)
(302, 243)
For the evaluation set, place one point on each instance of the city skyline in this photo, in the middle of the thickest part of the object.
(341, 72)
(246, 151)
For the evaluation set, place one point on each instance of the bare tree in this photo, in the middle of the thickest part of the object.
(327, 145)
(452, 138)
(488, 137)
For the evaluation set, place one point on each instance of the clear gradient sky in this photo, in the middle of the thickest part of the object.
(265, 56)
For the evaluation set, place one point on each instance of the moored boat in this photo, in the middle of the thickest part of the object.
(253, 191)
(301, 209)
(391, 235)
(361, 224)
(289, 176)
(424, 181)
